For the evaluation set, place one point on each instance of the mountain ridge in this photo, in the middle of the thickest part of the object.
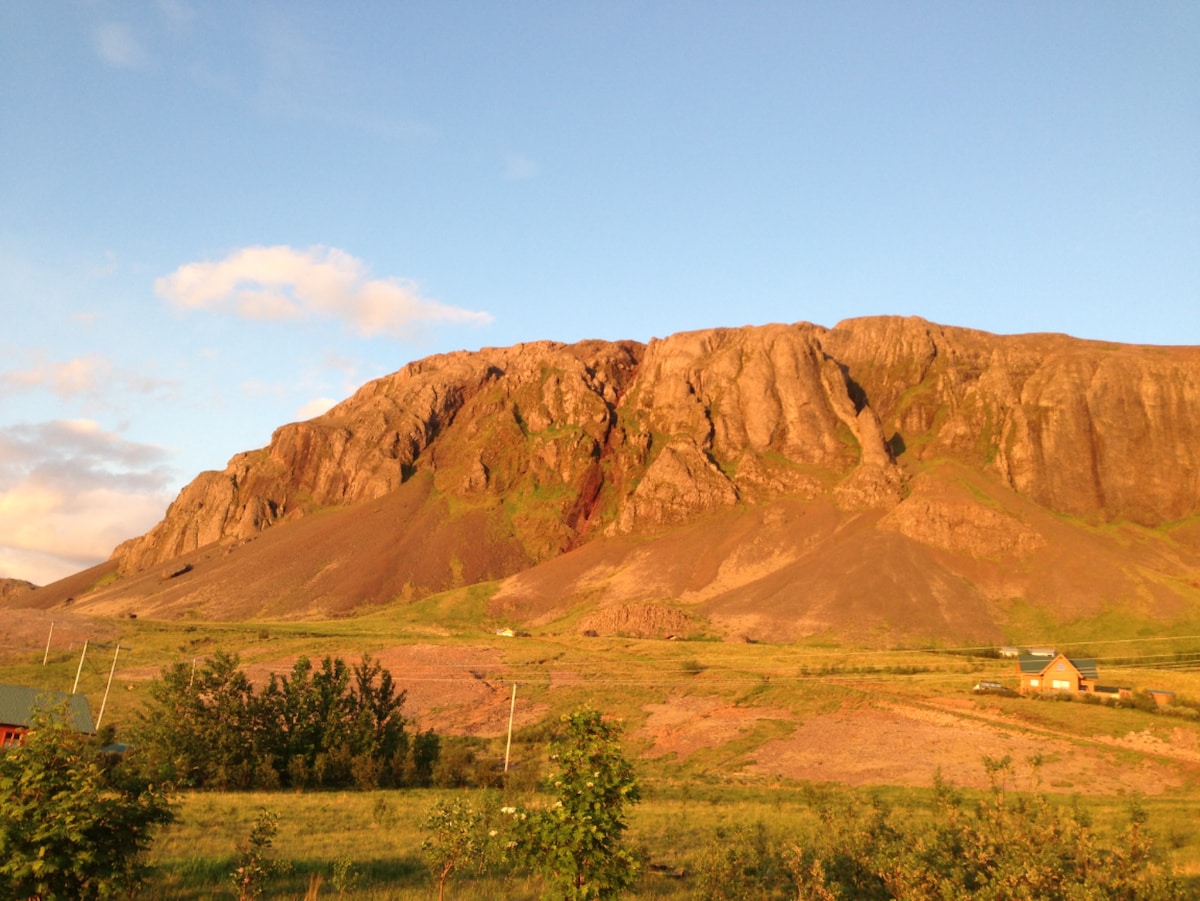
(884, 474)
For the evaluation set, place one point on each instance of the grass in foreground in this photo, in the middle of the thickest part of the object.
(367, 845)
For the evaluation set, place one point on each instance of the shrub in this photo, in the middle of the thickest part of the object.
(255, 864)
(72, 825)
(742, 864)
(459, 839)
(1008, 846)
(575, 845)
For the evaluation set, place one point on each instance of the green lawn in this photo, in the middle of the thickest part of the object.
(376, 836)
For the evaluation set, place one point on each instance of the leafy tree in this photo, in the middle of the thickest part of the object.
(73, 826)
(422, 756)
(200, 727)
(575, 844)
(460, 838)
(255, 863)
(331, 725)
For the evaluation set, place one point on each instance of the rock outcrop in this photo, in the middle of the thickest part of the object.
(12, 588)
(951, 449)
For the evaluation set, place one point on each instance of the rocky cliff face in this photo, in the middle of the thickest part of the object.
(954, 440)
(621, 437)
(576, 440)
(1099, 430)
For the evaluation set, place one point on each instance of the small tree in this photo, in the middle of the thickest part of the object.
(72, 827)
(460, 839)
(255, 863)
(576, 844)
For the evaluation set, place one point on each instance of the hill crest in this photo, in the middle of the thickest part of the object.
(885, 475)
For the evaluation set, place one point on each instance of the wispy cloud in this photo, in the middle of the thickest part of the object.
(315, 407)
(518, 167)
(175, 13)
(80, 375)
(92, 376)
(283, 283)
(70, 492)
(117, 46)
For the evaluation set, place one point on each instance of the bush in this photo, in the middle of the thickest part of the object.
(329, 726)
(459, 839)
(742, 864)
(73, 825)
(1008, 846)
(255, 864)
(575, 845)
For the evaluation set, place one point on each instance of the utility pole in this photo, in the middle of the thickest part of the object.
(511, 709)
(46, 656)
(111, 670)
(80, 670)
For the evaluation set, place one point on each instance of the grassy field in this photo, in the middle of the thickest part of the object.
(367, 845)
(374, 840)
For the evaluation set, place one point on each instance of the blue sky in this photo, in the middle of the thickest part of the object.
(217, 218)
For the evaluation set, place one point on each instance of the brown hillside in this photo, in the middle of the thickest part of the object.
(885, 477)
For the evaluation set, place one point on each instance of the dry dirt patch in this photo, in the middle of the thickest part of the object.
(24, 632)
(891, 743)
(685, 725)
(894, 744)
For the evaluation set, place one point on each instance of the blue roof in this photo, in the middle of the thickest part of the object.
(19, 704)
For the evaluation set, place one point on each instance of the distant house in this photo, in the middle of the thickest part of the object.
(19, 704)
(1056, 673)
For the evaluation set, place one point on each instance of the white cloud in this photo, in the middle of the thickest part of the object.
(70, 492)
(80, 375)
(315, 407)
(117, 46)
(518, 167)
(282, 283)
(91, 376)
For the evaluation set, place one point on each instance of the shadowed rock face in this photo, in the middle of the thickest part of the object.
(1099, 430)
(930, 440)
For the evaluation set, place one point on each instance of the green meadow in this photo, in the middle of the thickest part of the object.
(367, 845)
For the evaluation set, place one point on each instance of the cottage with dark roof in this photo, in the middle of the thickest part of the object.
(20, 704)
(1057, 673)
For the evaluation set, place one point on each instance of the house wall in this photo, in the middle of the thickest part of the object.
(1059, 674)
(11, 735)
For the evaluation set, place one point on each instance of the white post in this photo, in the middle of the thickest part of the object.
(511, 709)
(80, 670)
(46, 656)
(111, 670)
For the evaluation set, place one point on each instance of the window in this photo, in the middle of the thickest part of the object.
(1034, 683)
(1060, 684)
(1059, 667)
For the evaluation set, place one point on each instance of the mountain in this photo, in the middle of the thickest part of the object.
(888, 476)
